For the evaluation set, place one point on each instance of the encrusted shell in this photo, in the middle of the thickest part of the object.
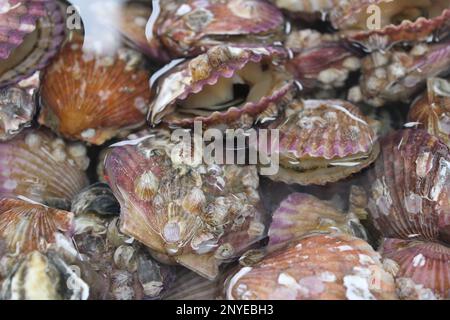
(17, 109)
(423, 268)
(431, 111)
(43, 277)
(92, 97)
(301, 213)
(27, 226)
(207, 87)
(319, 267)
(41, 167)
(200, 214)
(320, 60)
(97, 198)
(190, 27)
(408, 194)
(396, 75)
(322, 141)
(31, 33)
(379, 24)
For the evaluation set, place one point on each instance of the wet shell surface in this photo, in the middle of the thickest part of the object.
(379, 24)
(227, 86)
(26, 226)
(92, 97)
(41, 167)
(190, 27)
(41, 276)
(408, 195)
(301, 213)
(31, 32)
(322, 141)
(431, 111)
(17, 109)
(318, 266)
(423, 268)
(397, 75)
(201, 215)
(307, 6)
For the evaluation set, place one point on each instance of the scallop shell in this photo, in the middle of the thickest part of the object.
(41, 167)
(301, 213)
(408, 194)
(200, 215)
(189, 28)
(26, 226)
(322, 141)
(32, 35)
(203, 89)
(191, 286)
(17, 109)
(320, 60)
(424, 271)
(93, 97)
(431, 111)
(319, 267)
(43, 277)
(380, 24)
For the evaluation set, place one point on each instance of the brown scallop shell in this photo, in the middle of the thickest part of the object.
(431, 111)
(424, 268)
(41, 167)
(408, 195)
(92, 97)
(26, 226)
(319, 267)
(301, 213)
(322, 141)
(201, 215)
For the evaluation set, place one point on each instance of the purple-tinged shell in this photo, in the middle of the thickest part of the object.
(37, 49)
(379, 24)
(200, 215)
(322, 141)
(396, 75)
(17, 109)
(315, 267)
(423, 268)
(431, 111)
(41, 167)
(301, 213)
(227, 86)
(189, 28)
(409, 187)
(320, 60)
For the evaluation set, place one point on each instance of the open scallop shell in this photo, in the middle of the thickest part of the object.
(189, 28)
(41, 167)
(92, 97)
(26, 226)
(423, 268)
(408, 196)
(319, 267)
(431, 111)
(322, 141)
(228, 86)
(301, 213)
(379, 24)
(34, 31)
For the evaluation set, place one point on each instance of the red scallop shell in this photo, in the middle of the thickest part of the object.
(425, 263)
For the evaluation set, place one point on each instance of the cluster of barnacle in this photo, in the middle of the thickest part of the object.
(93, 205)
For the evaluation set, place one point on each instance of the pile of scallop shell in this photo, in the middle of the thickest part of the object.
(97, 202)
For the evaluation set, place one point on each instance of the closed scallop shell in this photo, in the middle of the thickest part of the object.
(408, 194)
(93, 97)
(322, 141)
(41, 167)
(318, 267)
(26, 226)
(424, 270)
